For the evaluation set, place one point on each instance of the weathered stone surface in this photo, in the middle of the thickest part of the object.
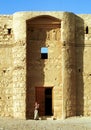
(67, 70)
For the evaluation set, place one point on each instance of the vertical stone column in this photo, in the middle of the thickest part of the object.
(68, 65)
(19, 66)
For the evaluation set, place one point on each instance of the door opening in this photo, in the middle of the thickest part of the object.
(48, 101)
(44, 98)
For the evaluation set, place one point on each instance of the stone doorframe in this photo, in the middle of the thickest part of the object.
(68, 64)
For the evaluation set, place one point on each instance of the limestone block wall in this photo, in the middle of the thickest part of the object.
(6, 31)
(76, 71)
(6, 64)
(79, 47)
(83, 41)
(70, 65)
(63, 68)
(53, 75)
(19, 67)
(22, 100)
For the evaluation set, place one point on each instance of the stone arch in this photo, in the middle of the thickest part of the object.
(44, 17)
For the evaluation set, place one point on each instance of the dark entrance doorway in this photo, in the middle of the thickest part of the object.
(44, 98)
(48, 101)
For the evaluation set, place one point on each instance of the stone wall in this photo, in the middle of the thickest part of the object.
(28, 63)
(67, 69)
(68, 65)
(6, 66)
(83, 49)
(19, 67)
(63, 70)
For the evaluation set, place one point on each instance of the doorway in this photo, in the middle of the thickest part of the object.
(44, 98)
(48, 101)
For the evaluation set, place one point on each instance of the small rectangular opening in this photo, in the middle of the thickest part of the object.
(86, 29)
(44, 56)
(44, 53)
(9, 31)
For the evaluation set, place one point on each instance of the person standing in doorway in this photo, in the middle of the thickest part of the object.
(36, 111)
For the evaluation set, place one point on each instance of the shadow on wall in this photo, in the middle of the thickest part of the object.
(38, 33)
(79, 68)
(36, 37)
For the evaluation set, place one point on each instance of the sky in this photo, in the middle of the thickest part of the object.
(44, 50)
(75, 6)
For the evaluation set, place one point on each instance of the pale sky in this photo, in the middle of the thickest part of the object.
(75, 6)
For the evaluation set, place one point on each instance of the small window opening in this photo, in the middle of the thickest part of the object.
(86, 29)
(44, 53)
(9, 31)
(8, 97)
(4, 71)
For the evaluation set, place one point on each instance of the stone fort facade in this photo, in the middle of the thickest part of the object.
(59, 79)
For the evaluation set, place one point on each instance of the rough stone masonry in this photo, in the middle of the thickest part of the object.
(58, 79)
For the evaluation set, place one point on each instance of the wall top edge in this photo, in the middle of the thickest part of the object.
(41, 12)
(37, 12)
(5, 15)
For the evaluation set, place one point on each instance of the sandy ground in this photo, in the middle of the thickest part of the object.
(73, 123)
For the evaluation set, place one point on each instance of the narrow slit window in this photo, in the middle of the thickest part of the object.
(9, 31)
(44, 53)
(86, 29)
